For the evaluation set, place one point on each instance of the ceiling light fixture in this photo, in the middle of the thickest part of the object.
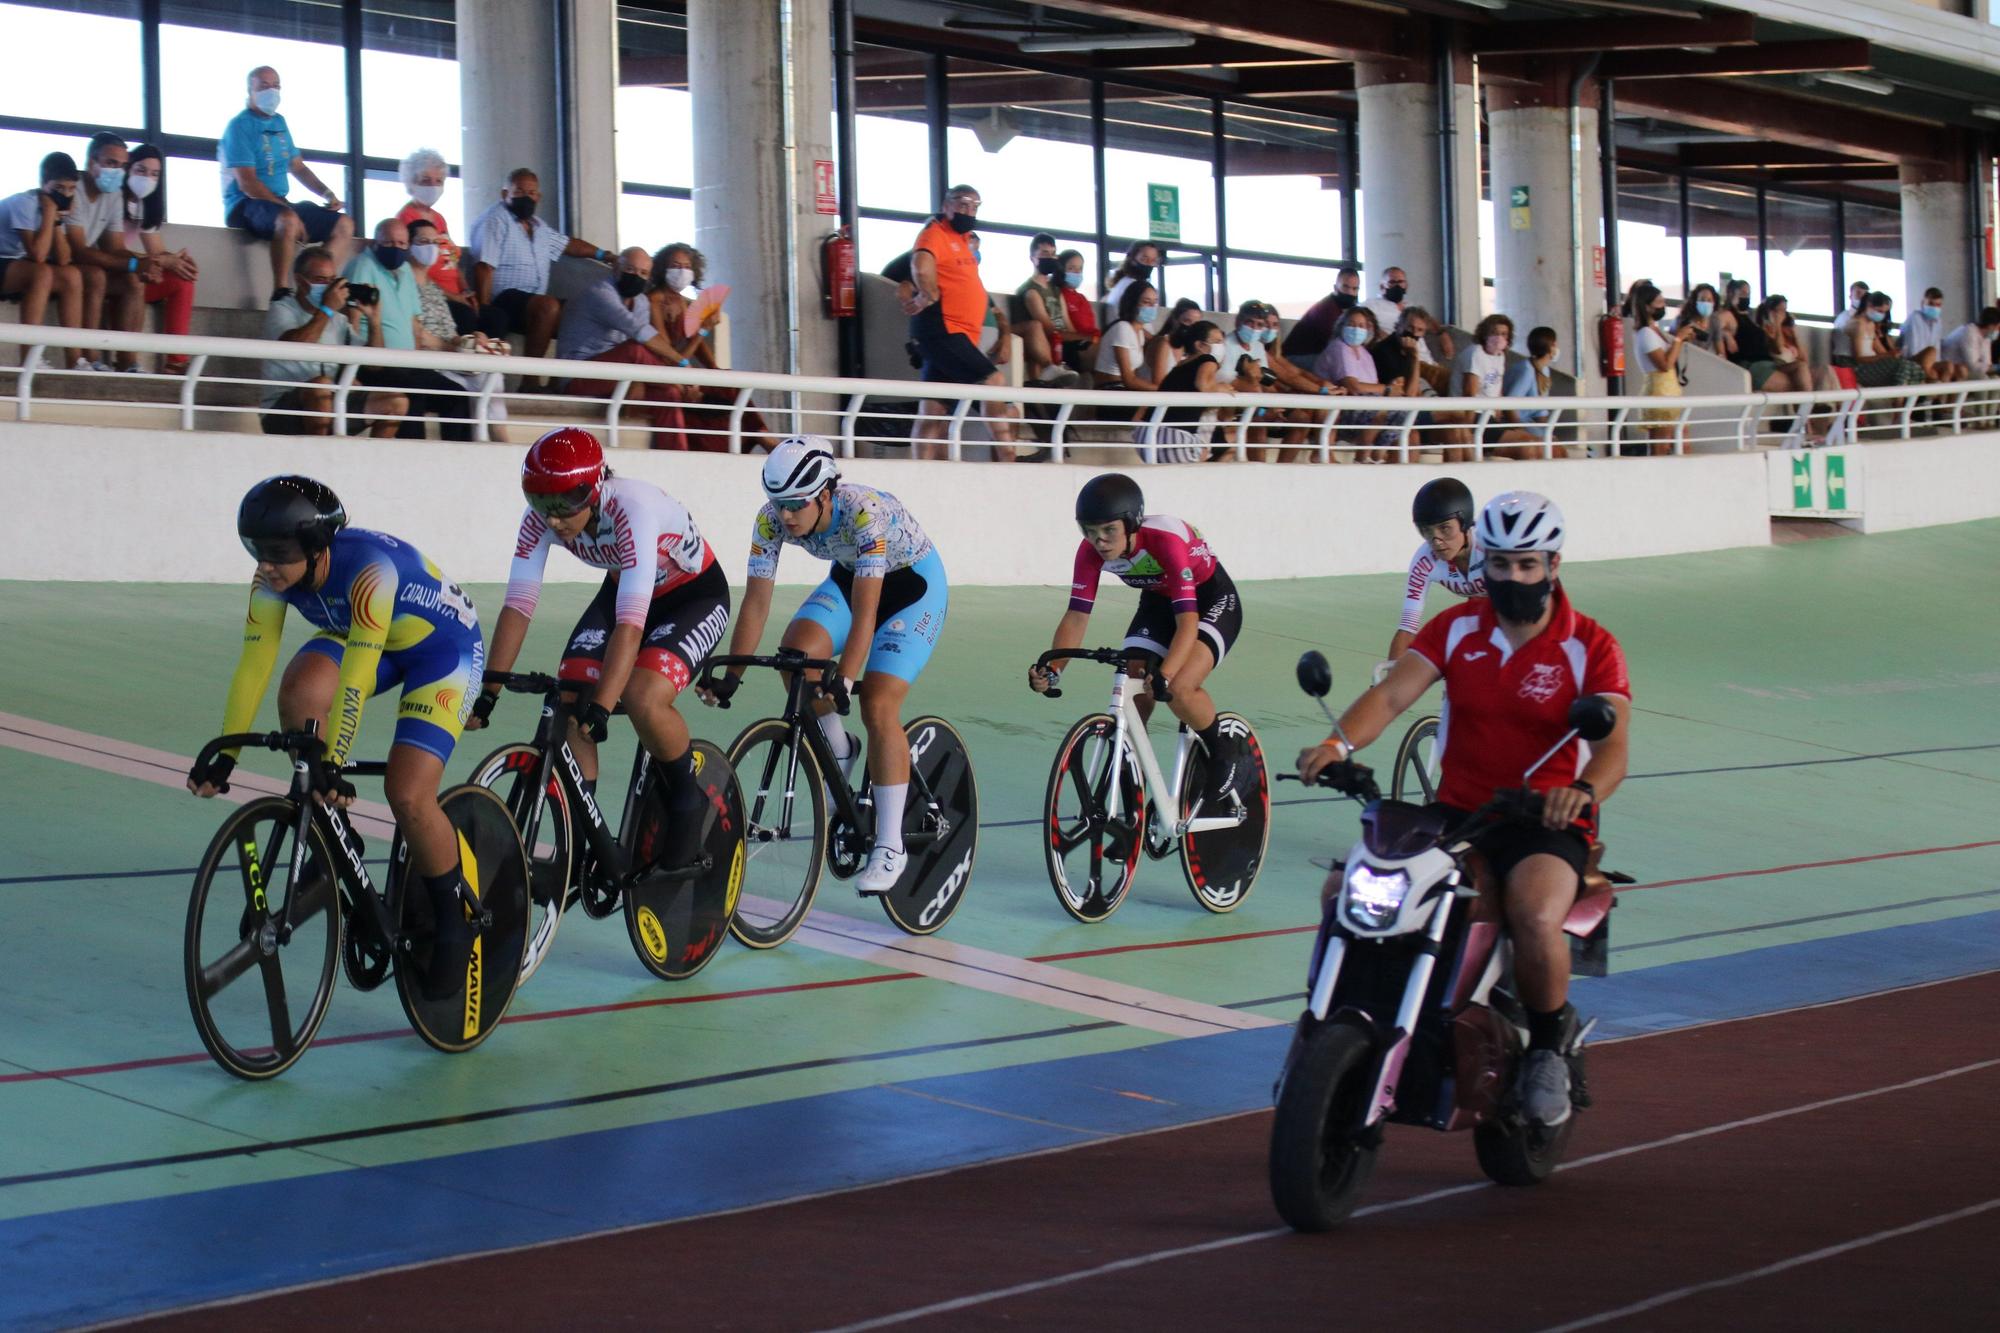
(1485, 4)
(1987, 112)
(1107, 41)
(1862, 83)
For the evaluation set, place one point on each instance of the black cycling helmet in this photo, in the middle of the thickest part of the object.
(1111, 495)
(287, 519)
(1436, 501)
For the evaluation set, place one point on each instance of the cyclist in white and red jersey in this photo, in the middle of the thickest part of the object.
(1449, 556)
(1512, 665)
(660, 612)
(1189, 614)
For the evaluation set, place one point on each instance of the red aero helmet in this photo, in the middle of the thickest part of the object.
(563, 471)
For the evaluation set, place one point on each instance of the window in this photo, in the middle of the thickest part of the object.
(48, 49)
(1874, 250)
(207, 51)
(194, 192)
(1649, 231)
(1798, 254)
(1023, 141)
(892, 137)
(1722, 233)
(1158, 139)
(654, 220)
(1282, 195)
(409, 74)
(1290, 287)
(654, 113)
(21, 154)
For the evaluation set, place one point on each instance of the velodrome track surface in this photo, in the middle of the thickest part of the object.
(1811, 818)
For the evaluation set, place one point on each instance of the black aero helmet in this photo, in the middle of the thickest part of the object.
(287, 519)
(1112, 495)
(1436, 501)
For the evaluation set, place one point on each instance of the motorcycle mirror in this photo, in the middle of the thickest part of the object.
(1592, 717)
(1315, 676)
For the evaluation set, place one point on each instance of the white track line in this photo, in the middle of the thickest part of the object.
(1768, 1270)
(1160, 1256)
(875, 942)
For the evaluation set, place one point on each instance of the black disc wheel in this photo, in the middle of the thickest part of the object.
(678, 916)
(1221, 863)
(940, 829)
(1320, 1156)
(509, 773)
(1093, 855)
(495, 866)
(784, 832)
(261, 943)
(1415, 776)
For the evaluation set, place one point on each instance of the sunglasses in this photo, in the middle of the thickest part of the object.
(794, 506)
(564, 504)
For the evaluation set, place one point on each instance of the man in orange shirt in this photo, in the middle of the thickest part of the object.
(946, 313)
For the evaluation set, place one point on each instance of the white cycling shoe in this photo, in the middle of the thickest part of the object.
(883, 871)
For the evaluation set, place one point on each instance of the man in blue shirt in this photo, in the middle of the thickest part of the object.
(258, 157)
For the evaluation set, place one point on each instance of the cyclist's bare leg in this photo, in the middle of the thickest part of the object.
(1191, 703)
(649, 702)
(305, 694)
(411, 786)
(882, 697)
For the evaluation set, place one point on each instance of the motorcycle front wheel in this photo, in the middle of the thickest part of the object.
(1320, 1157)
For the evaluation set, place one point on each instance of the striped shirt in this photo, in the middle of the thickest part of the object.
(519, 257)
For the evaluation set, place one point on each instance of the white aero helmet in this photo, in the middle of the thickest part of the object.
(1521, 521)
(799, 468)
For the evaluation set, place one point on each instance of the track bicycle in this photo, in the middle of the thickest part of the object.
(1414, 776)
(1094, 828)
(260, 905)
(790, 777)
(676, 917)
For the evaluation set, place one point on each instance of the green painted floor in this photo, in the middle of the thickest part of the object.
(1790, 655)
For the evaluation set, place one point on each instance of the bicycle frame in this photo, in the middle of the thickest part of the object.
(1125, 715)
(350, 875)
(552, 740)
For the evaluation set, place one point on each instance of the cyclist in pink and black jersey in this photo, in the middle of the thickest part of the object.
(1449, 557)
(1189, 614)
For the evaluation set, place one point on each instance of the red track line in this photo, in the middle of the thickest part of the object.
(623, 1005)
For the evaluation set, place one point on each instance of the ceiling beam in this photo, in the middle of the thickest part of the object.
(1853, 171)
(1758, 155)
(1733, 108)
(1334, 31)
(1622, 34)
(1766, 58)
(1307, 80)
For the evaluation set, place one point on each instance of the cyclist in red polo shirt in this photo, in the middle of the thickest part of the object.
(1512, 666)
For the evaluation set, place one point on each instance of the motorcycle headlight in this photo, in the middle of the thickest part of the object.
(1373, 899)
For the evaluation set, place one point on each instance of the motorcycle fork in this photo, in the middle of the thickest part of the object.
(1390, 1071)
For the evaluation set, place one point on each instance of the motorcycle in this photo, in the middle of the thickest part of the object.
(1410, 1015)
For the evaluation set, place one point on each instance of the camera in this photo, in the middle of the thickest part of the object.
(361, 293)
(1267, 378)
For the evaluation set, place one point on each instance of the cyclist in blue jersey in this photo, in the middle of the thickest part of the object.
(880, 609)
(385, 616)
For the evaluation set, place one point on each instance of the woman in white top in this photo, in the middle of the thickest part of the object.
(1122, 352)
(1659, 356)
(1481, 372)
(173, 290)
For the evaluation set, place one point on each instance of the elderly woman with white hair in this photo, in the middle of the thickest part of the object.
(424, 174)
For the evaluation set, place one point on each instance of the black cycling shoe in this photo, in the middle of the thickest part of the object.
(681, 847)
(451, 946)
(1225, 771)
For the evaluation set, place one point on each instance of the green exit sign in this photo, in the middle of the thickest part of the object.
(1163, 212)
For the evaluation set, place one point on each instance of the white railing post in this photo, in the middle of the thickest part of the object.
(24, 388)
(1958, 409)
(1403, 434)
(736, 411)
(1479, 434)
(1243, 434)
(1906, 419)
(955, 435)
(1059, 434)
(614, 415)
(1743, 431)
(482, 429)
(848, 421)
(190, 378)
(1326, 428)
(1681, 432)
(342, 388)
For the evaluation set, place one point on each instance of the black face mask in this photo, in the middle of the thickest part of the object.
(521, 206)
(1522, 603)
(1049, 268)
(63, 201)
(963, 223)
(1395, 295)
(1342, 301)
(630, 285)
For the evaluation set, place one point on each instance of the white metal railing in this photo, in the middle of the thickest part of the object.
(745, 408)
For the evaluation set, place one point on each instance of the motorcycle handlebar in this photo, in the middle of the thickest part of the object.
(1347, 777)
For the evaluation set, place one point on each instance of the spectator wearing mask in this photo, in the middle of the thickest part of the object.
(1877, 360)
(434, 312)
(1121, 352)
(1140, 261)
(1278, 374)
(1347, 362)
(947, 310)
(1699, 314)
(1081, 351)
(258, 161)
(612, 320)
(1038, 317)
(1315, 329)
(173, 289)
(1388, 307)
(1921, 336)
(385, 266)
(1481, 372)
(1857, 302)
(512, 250)
(318, 310)
(1968, 349)
(1767, 345)
(1529, 378)
(114, 278)
(1659, 355)
(679, 268)
(424, 174)
(1401, 365)
(1179, 435)
(34, 251)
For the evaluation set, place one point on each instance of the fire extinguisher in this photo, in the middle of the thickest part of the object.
(837, 274)
(1611, 345)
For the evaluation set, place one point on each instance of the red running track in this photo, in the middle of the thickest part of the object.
(1826, 1168)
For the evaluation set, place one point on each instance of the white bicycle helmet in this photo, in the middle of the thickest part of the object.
(1521, 521)
(799, 468)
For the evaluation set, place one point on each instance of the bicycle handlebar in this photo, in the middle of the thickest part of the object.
(1112, 657)
(523, 682)
(785, 659)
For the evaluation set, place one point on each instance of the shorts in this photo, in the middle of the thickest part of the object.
(440, 678)
(507, 311)
(1661, 384)
(259, 217)
(683, 626)
(907, 620)
(1216, 602)
(1507, 845)
(952, 358)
